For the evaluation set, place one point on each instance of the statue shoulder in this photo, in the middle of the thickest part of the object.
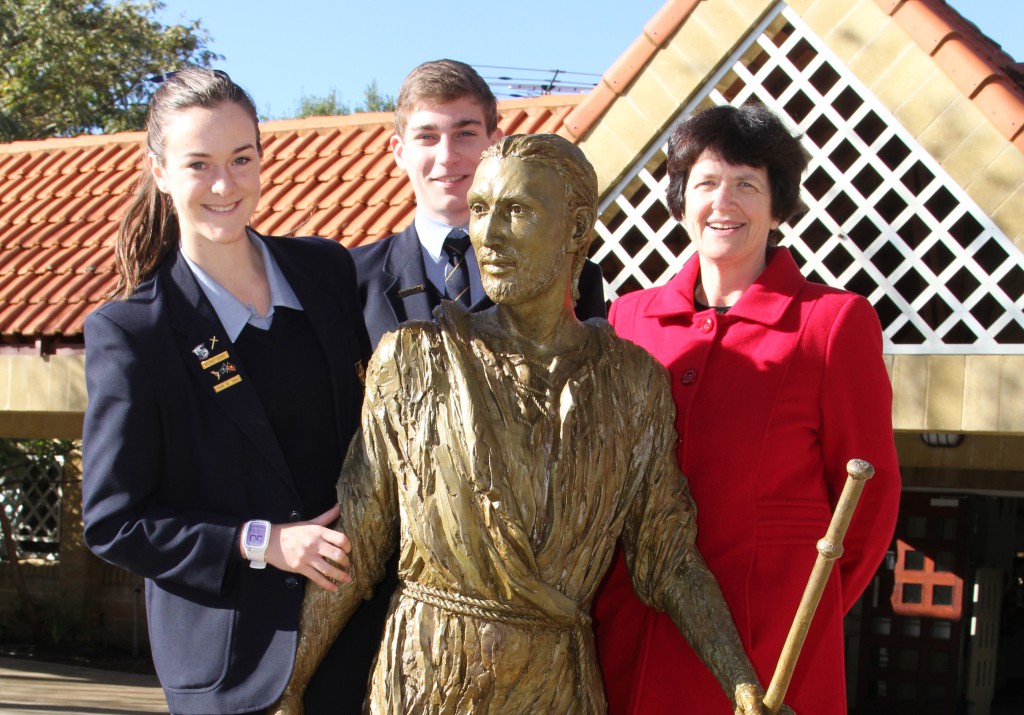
(636, 368)
(625, 350)
(408, 348)
(405, 336)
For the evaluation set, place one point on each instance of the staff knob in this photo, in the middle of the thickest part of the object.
(830, 550)
(860, 470)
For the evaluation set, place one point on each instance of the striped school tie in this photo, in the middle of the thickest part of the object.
(456, 273)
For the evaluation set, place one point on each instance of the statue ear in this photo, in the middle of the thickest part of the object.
(582, 222)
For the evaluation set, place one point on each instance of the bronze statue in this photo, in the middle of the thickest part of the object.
(508, 451)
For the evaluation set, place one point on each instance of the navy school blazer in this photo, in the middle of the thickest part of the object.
(394, 287)
(175, 460)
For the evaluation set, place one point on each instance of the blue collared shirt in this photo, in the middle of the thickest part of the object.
(432, 235)
(233, 313)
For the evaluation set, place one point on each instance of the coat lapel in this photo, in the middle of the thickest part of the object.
(483, 304)
(408, 292)
(211, 358)
(676, 298)
(326, 317)
(765, 301)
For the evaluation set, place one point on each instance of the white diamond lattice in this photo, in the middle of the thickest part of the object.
(31, 499)
(884, 219)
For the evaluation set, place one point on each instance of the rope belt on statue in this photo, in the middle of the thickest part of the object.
(485, 608)
(498, 612)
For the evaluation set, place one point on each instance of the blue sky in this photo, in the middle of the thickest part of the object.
(281, 52)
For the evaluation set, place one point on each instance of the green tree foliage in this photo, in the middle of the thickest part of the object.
(77, 66)
(374, 101)
(329, 106)
(15, 453)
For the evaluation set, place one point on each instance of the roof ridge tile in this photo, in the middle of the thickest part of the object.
(976, 64)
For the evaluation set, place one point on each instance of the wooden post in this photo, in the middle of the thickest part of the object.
(830, 548)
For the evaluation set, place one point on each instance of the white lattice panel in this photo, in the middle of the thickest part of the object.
(884, 218)
(31, 499)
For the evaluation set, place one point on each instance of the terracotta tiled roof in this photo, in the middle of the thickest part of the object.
(986, 74)
(61, 199)
(621, 74)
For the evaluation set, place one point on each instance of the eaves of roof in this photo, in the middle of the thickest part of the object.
(979, 67)
(986, 74)
(61, 201)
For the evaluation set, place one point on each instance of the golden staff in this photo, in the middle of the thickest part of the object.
(830, 548)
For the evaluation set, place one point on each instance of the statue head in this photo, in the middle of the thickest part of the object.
(533, 204)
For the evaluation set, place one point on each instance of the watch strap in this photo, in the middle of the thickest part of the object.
(255, 538)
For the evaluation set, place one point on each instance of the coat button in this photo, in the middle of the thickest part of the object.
(291, 581)
(706, 325)
(295, 516)
(689, 377)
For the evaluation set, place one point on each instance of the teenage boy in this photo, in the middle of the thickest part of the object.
(445, 118)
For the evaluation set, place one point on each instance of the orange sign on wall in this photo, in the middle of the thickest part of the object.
(925, 585)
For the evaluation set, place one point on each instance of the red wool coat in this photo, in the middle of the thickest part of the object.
(773, 398)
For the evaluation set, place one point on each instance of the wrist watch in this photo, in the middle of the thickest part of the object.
(255, 537)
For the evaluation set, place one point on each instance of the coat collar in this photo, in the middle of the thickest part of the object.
(406, 286)
(765, 301)
(210, 357)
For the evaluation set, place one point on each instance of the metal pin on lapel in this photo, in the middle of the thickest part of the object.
(411, 290)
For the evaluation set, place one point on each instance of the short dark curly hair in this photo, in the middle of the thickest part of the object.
(752, 135)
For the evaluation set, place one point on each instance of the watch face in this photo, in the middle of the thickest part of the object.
(255, 535)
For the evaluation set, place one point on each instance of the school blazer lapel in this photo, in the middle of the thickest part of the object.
(211, 358)
(326, 315)
(408, 292)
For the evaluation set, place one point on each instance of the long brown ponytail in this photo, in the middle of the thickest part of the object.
(149, 228)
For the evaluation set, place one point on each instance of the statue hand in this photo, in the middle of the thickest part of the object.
(750, 701)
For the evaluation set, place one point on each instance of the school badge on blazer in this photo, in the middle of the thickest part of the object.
(217, 366)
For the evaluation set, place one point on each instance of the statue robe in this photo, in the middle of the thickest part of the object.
(508, 483)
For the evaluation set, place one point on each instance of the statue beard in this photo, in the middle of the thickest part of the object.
(527, 281)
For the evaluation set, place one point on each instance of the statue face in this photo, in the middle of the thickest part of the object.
(520, 229)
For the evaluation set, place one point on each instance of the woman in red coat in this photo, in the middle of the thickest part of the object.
(777, 382)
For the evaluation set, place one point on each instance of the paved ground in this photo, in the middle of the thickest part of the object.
(30, 687)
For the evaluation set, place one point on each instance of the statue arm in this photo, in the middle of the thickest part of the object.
(667, 569)
(369, 518)
(692, 598)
